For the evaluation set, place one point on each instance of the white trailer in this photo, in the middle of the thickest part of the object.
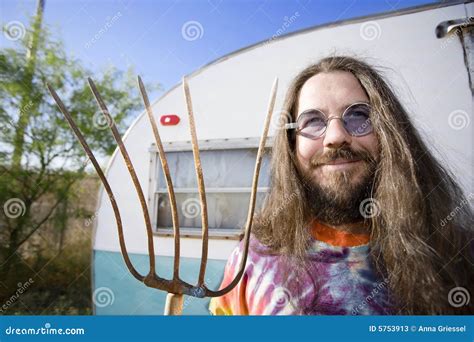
(427, 53)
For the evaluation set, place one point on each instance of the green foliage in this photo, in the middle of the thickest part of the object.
(40, 158)
(48, 138)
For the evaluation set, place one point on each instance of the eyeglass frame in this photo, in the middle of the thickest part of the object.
(327, 119)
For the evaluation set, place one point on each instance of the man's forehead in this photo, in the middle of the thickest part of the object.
(329, 91)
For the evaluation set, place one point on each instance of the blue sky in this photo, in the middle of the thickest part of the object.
(152, 36)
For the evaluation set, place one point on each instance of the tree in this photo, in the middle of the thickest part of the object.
(40, 159)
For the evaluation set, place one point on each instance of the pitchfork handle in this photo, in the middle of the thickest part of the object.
(174, 304)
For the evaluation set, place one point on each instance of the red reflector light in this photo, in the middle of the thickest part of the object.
(169, 120)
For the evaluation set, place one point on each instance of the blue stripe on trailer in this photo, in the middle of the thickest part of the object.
(116, 292)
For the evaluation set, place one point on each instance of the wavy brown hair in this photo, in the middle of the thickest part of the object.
(417, 243)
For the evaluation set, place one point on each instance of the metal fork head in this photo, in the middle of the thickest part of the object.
(174, 286)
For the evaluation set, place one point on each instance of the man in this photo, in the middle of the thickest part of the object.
(355, 221)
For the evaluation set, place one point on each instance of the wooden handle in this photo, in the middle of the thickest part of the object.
(174, 304)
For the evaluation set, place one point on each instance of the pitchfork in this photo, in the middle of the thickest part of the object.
(175, 287)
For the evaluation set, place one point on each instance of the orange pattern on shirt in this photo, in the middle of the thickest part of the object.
(337, 237)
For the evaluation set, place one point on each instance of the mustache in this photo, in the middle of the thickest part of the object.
(341, 153)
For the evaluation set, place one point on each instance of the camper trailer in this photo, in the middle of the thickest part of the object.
(426, 54)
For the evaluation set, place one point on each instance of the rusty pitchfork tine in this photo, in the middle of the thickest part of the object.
(200, 181)
(169, 182)
(103, 179)
(253, 196)
(133, 175)
(174, 302)
(202, 194)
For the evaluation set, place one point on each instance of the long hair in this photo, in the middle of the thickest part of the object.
(421, 235)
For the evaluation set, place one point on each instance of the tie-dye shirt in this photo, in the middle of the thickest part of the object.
(340, 281)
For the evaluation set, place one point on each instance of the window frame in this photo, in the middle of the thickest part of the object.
(204, 145)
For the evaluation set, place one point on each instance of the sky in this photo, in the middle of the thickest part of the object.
(166, 39)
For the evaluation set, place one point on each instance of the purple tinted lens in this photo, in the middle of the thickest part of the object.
(312, 123)
(357, 120)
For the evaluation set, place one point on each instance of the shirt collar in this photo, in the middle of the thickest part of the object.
(335, 237)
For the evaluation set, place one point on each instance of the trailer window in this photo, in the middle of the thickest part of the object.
(228, 180)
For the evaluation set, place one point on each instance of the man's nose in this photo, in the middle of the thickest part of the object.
(336, 135)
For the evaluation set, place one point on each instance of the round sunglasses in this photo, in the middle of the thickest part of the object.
(312, 123)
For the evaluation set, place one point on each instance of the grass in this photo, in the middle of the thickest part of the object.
(50, 283)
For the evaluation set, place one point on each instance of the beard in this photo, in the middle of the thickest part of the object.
(338, 201)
